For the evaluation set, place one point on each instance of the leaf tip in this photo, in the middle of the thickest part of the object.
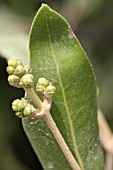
(44, 5)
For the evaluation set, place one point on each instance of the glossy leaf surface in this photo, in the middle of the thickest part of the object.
(57, 55)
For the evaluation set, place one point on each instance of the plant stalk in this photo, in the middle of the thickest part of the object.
(44, 112)
(108, 161)
(34, 97)
(65, 149)
(106, 135)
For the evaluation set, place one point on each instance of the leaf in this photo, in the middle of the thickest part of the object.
(12, 44)
(13, 38)
(57, 55)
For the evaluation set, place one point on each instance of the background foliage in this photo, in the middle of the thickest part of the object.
(92, 23)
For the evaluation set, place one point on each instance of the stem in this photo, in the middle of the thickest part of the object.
(44, 113)
(34, 97)
(103, 124)
(106, 135)
(108, 161)
(65, 149)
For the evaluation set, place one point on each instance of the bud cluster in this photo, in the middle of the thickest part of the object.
(45, 87)
(19, 74)
(22, 108)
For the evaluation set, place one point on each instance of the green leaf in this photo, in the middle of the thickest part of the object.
(57, 55)
(13, 38)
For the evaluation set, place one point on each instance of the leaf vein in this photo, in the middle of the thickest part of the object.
(75, 80)
(83, 105)
(64, 97)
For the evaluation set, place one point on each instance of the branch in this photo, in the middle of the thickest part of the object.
(34, 97)
(45, 113)
(106, 136)
(65, 149)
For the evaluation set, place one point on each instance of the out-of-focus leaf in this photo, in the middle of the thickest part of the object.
(57, 55)
(13, 37)
(13, 46)
(13, 43)
(78, 11)
(23, 7)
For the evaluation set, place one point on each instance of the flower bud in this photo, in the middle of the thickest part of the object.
(20, 62)
(27, 69)
(13, 80)
(19, 105)
(10, 70)
(13, 62)
(14, 104)
(19, 114)
(24, 102)
(19, 70)
(28, 110)
(43, 82)
(49, 91)
(26, 80)
(40, 88)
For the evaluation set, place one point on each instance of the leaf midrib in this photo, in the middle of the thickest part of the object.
(64, 97)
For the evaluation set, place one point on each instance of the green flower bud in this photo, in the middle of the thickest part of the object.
(49, 91)
(14, 104)
(26, 80)
(19, 114)
(40, 88)
(19, 71)
(20, 62)
(27, 69)
(13, 80)
(19, 105)
(43, 82)
(13, 62)
(28, 110)
(10, 70)
(24, 102)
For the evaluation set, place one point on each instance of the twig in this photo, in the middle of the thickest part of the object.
(34, 97)
(108, 161)
(44, 112)
(65, 149)
(106, 135)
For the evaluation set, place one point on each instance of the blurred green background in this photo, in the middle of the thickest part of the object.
(92, 22)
